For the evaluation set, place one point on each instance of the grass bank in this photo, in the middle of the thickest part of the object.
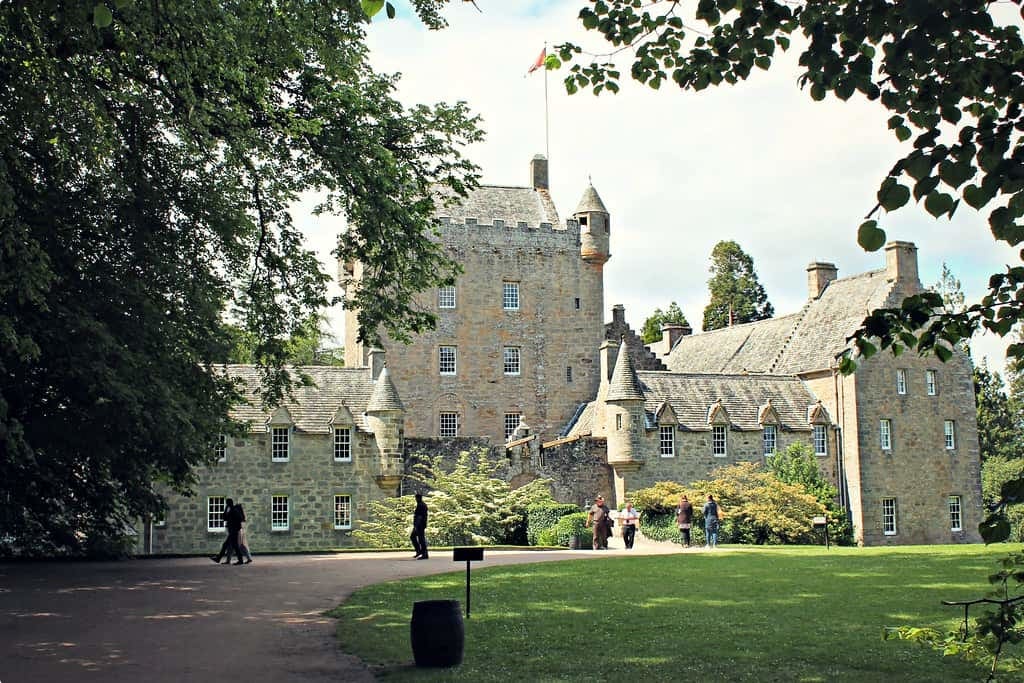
(748, 614)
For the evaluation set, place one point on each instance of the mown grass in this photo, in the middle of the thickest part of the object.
(748, 614)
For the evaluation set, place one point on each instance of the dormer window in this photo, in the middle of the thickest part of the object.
(718, 441)
(280, 444)
(770, 439)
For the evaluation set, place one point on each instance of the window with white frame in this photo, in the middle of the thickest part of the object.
(901, 381)
(448, 425)
(820, 440)
(718, 445)
(510, 296)
(667, 441)
(279, 443)
(446, 360)
(343, 444)
(342, 511)
(929, 382)
(889, 516)
(949, 429)
(215, 507)
(885, 434)
(279, 513)
(955, 514)
(770, 438)
(511, 357)
(512, 421)
(220, 449)
(446, 297)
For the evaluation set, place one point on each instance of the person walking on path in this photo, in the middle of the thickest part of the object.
(629, 517)
(598, 517)
(684, 519)
(233, 518)
(711, 522)
(419, 528)
(243, 544)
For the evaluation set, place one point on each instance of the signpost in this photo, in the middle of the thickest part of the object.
(468, 555)
(821, 523)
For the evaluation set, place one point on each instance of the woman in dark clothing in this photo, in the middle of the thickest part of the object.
(684, 519)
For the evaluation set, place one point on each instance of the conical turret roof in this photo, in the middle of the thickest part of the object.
(624, 385)
(590, 201)
(384, 396)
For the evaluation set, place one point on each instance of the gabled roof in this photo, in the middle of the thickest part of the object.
(313, 407)
(796, 343)
(513, 205)
(742, 396)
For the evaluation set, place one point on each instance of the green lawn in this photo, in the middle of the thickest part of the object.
(739, 614)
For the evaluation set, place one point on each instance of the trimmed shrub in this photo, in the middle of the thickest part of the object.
(544, 516)
(567, 527)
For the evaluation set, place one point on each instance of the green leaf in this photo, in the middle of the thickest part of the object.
(903, 133)
(976, 197)
(943, 353)
(955, 174)
(870, 237)
(917, 165)
(763, 62)
(101, 16)
(390, 10)
(371, 7)
(938, 203)
(893, 195)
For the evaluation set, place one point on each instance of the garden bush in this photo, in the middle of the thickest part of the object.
(567, 527)
(543, 516)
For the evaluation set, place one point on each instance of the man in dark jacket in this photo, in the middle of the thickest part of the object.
(233, 517)
(419, 528)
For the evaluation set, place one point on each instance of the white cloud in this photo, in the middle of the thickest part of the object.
(760, 163)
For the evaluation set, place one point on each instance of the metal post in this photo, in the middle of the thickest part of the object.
(467, 589)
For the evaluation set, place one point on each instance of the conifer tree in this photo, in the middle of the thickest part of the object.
(736, 294)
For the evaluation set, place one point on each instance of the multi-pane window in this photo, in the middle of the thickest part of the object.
(215, 506)
(279, 443)
(889, 516)
(667, 440)
(820, 440)
(568, 374)
(770, 439)
(446, 360)
(885, 434)
(901, 381)
(949, 429)
(955, 516)
(929, 382)
(448, 425)
(220, 448)
(718, 440)
(342, 511)
(279, 513)
(510, 296)
(446, 297)
(512, 421)
(343, 444)
(511, 356)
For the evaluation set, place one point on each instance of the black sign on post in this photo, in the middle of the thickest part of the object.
(468, 555)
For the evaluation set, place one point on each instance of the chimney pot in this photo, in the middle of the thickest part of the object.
(819, 274)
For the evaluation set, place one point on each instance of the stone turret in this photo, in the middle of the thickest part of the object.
(595, 227)
(385, 416)
(625, 420)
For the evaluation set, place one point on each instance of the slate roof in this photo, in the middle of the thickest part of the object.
(513, 205)
(384, 396)
(623, 384)
(590, 201)
(796, 343)
(314, 406)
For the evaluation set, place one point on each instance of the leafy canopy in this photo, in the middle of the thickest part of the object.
(736, 294)
(651, 331)
(149, 155)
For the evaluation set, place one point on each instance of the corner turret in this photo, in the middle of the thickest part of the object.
(595, 227)
(385, 416)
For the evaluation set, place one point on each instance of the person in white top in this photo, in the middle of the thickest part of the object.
(629, 517)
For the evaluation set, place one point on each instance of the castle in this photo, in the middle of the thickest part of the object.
(522, 360)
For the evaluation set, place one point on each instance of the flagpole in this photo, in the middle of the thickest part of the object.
(547, 143)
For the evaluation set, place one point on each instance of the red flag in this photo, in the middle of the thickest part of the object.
(540, 61)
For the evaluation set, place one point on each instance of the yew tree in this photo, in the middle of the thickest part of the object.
(737, 295)
(149, 156)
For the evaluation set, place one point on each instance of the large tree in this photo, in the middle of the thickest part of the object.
(651, 331)
(736, 294)
(951, 72)
(149, 154)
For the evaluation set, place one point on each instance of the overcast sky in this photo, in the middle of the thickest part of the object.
(760, 163)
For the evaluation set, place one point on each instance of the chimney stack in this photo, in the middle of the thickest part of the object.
(376, 362)
(819, 274)
(539, 172)
(901, 263)
(671, 333)
(609, 353)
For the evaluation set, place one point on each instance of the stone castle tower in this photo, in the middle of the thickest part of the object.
(518, 334)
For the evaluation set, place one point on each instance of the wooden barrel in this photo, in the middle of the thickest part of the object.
(438, 635)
